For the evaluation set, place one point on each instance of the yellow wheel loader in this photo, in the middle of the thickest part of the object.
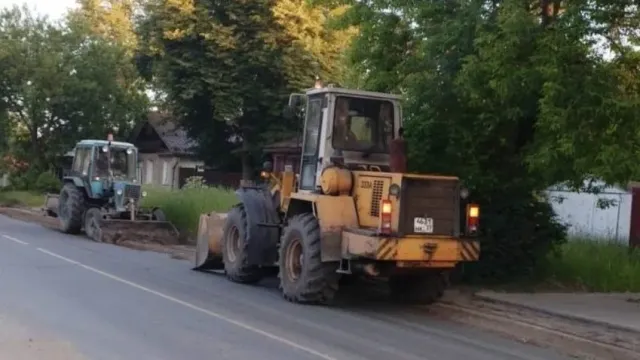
(351, 210)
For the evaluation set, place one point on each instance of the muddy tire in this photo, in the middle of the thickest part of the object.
(158, 215)
(235, 249)
(424, 289)
(71, 209)
(304, 278)
(92, 224)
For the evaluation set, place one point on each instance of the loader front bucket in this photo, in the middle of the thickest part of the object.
(208, 246)
(116, 231)
(50, 207)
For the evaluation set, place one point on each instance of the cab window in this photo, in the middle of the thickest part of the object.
(362, 124)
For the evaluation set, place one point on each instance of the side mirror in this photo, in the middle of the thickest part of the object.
(295, 100)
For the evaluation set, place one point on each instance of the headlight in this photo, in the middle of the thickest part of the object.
(144, 194)
(394, 190)
(119, 192)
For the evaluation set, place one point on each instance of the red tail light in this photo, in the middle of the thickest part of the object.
(473, 218)
(385, 216)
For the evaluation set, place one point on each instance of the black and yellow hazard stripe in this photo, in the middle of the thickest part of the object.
(470, 250)
(387, 249)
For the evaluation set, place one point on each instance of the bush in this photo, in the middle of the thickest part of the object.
(25, 181)
(47, 182)
(183, 207)
(594, 264)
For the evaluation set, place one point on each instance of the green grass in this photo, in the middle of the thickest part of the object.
(183, 207)
(21, 198)
(599, 265)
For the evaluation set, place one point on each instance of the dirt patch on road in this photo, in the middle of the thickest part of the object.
(29, 215)
(182, 252)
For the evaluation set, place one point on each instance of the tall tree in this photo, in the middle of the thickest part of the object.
(62, 84)
(110, 19)
(513, 97)
(308, 24)
(226, 69)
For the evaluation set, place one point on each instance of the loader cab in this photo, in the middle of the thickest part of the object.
(352, 127)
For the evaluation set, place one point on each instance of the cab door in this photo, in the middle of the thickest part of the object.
(311, 142)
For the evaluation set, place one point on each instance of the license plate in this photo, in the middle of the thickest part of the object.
(423, 225)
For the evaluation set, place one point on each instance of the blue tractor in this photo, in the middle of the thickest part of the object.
(102, 193)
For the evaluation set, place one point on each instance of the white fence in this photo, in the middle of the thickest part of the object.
(4, 180)
(606, 215)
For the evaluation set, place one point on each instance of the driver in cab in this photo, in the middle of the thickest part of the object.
(344, 136)
(102, 163)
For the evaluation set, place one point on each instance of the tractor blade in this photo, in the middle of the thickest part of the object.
(115, 231)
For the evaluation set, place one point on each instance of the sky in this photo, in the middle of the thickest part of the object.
(55, 9)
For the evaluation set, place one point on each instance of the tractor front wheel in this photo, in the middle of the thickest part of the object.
(158, 215)
(92, 220)
(235, 248)
(304, 278)
(71, 209)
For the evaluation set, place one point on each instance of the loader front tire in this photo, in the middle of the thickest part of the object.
(423, 289)
(71, 209)
(304, 278)
(235, 249)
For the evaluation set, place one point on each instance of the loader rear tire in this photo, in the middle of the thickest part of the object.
(71, 209)
(235, 249)
(424, 289)
(304, 278)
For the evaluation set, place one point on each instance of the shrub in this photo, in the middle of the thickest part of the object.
(47, 182)
(25, 181)
(594, 264)
(183, 207)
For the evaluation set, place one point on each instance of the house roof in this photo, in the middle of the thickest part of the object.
(288, 145)
(172, 135)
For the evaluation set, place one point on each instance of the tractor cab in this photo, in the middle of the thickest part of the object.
(346, 127)
(110, 170)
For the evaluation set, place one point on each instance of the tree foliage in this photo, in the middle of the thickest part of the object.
(511, 96)
(227, 68)
(111, 19)
(60, 84)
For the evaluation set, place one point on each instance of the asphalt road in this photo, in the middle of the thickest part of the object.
(80, 299)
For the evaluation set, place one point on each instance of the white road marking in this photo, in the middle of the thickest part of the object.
(15, 240)
(194, 307)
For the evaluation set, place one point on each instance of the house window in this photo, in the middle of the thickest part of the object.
(148, 172)
(165, 173)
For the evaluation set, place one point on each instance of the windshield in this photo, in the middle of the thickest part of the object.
(362, 124)
(123, 164)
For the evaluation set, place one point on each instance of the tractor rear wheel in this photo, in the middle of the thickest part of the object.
(422, 289)
(235, 248)
(304, 278)
(71, 209)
